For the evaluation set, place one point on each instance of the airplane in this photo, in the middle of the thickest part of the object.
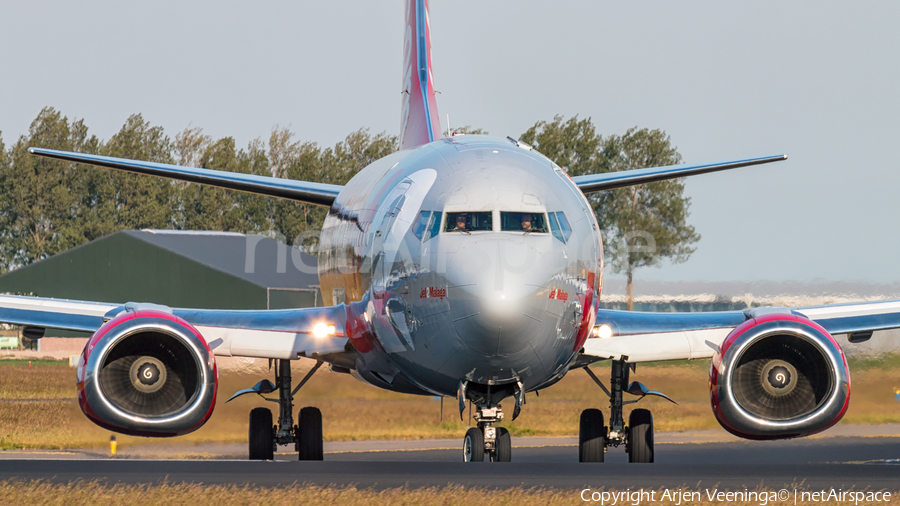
(465, 266)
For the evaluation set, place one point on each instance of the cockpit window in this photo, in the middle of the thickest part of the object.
(564, 226)
(421, 224)
(523, 222)
(428, 224)
(559, 226)
(554, 227)
(434, 226)
(469, 222)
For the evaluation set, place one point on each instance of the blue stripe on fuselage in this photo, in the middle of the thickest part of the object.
(422, 62)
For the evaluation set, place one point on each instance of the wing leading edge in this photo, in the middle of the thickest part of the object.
(646, 337)
(609, 180)
(282, 333)
(302, 191)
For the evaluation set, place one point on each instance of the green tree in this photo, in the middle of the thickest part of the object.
(649, 221)
(121, 200)
(572, 144)
(41, 212)
(308, 162)
(642, 224)
(208, 208)
(49, 205)
(466, 130)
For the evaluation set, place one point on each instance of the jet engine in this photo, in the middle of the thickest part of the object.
(147, 373)
(779, 376)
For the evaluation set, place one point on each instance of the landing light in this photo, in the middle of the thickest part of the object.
(323, 329)
(602, 331)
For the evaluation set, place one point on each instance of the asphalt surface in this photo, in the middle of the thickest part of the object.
(837, 462)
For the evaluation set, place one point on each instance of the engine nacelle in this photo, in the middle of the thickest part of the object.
(147, 373)
(779, 376)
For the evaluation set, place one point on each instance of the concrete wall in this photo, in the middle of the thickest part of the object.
(62, 345)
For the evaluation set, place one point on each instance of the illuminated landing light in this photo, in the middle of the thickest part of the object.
(323, 329)
(602, 331)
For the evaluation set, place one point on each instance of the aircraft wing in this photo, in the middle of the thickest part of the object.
(645, 337)
(302, 191)
(282, 333)
(592, 183)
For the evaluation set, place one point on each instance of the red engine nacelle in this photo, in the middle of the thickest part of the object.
(779, 376)
(147, 373)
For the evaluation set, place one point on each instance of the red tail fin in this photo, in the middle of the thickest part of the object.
(419, 122)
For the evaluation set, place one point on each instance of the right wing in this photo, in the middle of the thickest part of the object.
(592, 183)
(312, 193)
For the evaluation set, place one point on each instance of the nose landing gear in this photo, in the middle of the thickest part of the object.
(594, 438)
(486, 439)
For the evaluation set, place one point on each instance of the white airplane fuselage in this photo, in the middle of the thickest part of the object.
(490, 304)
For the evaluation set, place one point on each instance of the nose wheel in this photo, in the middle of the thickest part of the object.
(486, 439)
(473, 445)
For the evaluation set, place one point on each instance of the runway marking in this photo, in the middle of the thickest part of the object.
(883, 462)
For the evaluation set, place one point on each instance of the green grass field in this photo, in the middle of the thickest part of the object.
(355, 411)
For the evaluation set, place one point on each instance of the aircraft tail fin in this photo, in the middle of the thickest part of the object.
(419, 121)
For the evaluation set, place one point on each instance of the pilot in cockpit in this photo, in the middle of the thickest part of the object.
(460, 223)
(526, 222)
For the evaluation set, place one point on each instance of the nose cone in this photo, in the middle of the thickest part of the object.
(498, 295)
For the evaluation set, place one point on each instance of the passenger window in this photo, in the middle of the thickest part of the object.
(421, 224)
(434, 226)
(469, 222)
(523, 222)
(554, 228)
(564, 225)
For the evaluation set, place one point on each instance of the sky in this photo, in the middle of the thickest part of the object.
(816, 80)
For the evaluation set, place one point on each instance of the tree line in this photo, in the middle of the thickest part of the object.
(49, 206)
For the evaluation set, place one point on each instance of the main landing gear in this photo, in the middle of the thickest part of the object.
(594, 438)
(264, 437)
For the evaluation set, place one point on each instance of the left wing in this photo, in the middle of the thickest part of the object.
(592, 183)
(646, 337)
(282, 333)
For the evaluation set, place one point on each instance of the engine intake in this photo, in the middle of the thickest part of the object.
(779, 376)
(147, 373)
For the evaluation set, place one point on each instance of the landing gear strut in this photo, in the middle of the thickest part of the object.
(264, 437)
(594, 438)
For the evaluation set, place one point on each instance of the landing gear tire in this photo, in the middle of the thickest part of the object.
(260, 435)
(591, 436)
(503, 453)
(473, 445)
(640, 436)
(309, 434)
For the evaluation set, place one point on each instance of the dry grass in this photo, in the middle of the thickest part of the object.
(43, 493)
(355, 411)
(43, 379)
